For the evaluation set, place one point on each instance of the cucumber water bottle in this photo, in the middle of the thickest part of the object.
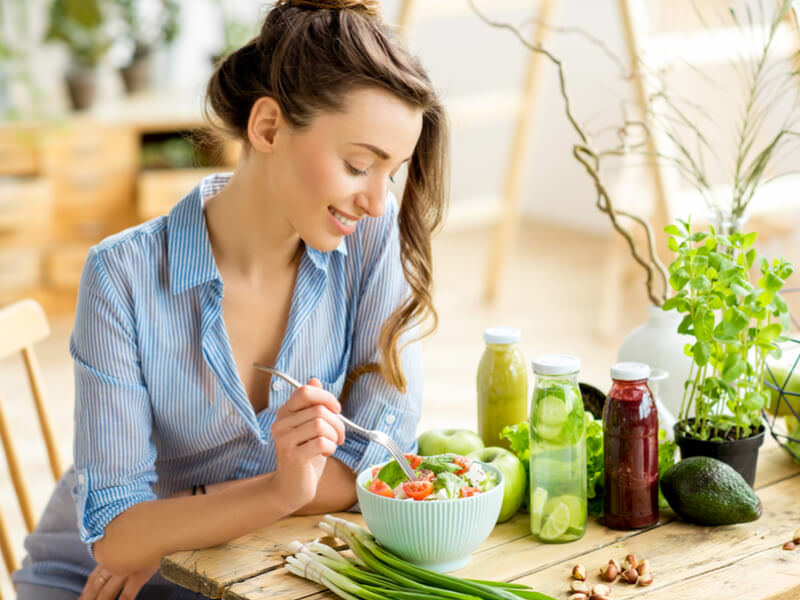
(558, 450)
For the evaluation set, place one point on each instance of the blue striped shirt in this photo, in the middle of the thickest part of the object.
(159, 404)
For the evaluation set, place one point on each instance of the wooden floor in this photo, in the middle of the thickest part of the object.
(551, 290)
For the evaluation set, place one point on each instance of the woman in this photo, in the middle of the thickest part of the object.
(301, 258)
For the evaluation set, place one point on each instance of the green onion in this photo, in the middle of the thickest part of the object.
(374, 573)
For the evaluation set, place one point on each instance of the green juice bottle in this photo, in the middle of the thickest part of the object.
(558, 451)
(502, 384)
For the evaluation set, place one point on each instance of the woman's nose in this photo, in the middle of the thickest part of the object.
(373, 200)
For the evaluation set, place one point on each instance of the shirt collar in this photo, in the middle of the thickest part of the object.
(191, 260)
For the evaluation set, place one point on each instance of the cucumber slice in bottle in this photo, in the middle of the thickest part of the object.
(551, 410)
(537, 509)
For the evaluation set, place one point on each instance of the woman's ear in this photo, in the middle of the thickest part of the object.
(265, 121)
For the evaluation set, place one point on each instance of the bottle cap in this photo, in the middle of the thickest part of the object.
(630, 371)
(556, 364)
(501, 335)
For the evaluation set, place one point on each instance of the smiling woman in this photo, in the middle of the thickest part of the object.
(300, 258)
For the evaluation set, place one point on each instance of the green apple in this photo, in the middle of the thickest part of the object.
(441, 441)
(513, 473)
(783, 371)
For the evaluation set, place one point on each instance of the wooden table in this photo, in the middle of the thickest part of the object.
(688, 562)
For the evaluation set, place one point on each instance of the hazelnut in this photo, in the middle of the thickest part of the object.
(579, 572)
(615, 562)
(645, 579)
(578, 597)
(599, 597)
(630, 576)
(601, 590)
(610, 572)
(630, 562)
(643, 567)
(579, 586)
(789, 546)
(796, 537)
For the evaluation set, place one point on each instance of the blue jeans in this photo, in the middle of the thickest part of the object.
(58, 562)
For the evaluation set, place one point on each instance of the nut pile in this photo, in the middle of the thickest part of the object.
(795, 541)
(632, 571)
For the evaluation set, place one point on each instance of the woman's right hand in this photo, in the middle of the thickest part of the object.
(305, 432)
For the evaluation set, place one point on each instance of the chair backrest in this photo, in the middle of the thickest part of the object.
(22, 324)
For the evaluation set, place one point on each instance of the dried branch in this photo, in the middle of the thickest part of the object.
(590, 159)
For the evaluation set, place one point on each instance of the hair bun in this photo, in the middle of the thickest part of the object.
(371, 8)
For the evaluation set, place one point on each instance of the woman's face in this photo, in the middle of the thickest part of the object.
(335, 172)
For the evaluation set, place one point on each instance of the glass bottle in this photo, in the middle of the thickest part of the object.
(502, 383)
(630, 447)
(558, 451)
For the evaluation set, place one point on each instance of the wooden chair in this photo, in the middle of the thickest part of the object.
(22, 324)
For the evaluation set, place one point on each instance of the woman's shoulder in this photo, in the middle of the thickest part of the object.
(133, 249)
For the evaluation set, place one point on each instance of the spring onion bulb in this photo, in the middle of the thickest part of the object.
(374, 573)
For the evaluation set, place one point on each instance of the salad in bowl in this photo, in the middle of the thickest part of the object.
(439, 477)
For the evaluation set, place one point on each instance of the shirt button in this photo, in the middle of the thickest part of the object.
(275, 386)
(389, 419)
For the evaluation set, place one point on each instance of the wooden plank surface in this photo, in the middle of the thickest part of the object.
(681, 555)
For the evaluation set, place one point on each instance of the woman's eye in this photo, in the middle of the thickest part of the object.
(353, 170)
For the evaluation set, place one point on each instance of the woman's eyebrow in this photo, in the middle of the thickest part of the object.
(377, 151)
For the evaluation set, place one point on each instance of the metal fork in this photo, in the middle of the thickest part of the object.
(376, 436)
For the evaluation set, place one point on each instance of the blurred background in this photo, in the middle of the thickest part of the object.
(101, 101)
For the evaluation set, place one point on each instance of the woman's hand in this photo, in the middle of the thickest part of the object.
(305, 432)
(103, 585)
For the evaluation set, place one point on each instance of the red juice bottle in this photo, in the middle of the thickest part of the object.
(630, 447)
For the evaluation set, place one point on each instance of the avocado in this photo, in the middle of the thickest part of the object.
(707, 491)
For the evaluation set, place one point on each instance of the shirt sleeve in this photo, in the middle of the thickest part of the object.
(113, 452)
(373, 402)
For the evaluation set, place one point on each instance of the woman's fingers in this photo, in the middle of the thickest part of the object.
(309, 395)
(316, 428)
(112, 587)
(135, 582)
(96, 584)
(296, 419)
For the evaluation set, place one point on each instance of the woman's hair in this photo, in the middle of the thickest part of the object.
(308, 56)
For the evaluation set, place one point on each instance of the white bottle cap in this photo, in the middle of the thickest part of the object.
(501, 335)
(630, 371)
(556, 364)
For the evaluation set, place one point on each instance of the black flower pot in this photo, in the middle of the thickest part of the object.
(742, 454)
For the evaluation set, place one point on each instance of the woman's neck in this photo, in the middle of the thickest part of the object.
(250, 237)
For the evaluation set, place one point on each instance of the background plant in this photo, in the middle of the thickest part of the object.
(82, 26)
(672, 117)
(735, 323)
(149, 24)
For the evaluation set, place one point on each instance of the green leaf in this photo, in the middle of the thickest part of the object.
(672, 244)
(700, 283)
(748, 240)
(733, 368)
(672, 303)
(751, 258)
(769, 333)
(392, 474)
(703, 324)
(672, 230)
(685, 326)
(773, 283)
(701, 352)
(679, 279)
(753, 401)
(449, 482)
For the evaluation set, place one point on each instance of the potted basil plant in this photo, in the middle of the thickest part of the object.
(736, 324)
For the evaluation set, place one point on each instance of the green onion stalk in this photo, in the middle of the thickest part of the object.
(374, 573)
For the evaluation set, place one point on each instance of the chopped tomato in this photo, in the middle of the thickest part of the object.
(413, 459)
(466, 492)
(375, 471)
(465, 463)
(381, 488)
(426, 474)
(418, 490)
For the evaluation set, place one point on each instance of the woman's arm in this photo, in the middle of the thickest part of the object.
(305, 432)
(336, 490)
